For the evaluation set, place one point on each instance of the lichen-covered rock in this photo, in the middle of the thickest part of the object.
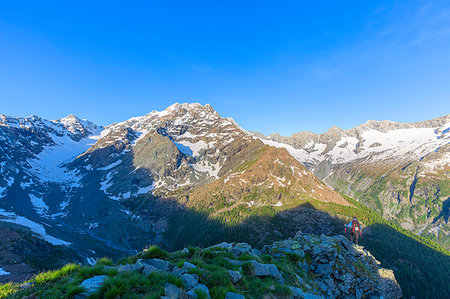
(231, 295)
(200, 287)
(235, 276)
(266, 270)
(340, 268)
(92, 284)
(173, 292)
(389, 284)
(157, 263)
(190, 280)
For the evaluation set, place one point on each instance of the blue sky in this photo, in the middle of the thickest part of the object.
(274, 66)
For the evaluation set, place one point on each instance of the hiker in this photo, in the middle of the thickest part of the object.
(355, 229)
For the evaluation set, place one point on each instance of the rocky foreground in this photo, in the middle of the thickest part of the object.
(306, 266)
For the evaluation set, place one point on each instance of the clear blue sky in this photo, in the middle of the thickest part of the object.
(281, 66)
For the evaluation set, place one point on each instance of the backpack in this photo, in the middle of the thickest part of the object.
(356, 226)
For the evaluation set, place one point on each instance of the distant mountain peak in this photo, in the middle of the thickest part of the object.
(77, 126)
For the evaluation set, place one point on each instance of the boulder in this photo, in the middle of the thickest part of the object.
(223, 245)
(235, 276)
(201, 287)
(130, 267)
(241, 248)
(231, 295)
(266, 270)
(173, 292)
(157, 263)
(234, 262)
(190, 280)
(388, 284)
(149, 269)
(178, 271)
(93, 284)
(188, 266)
(324, 269)
(296, 293)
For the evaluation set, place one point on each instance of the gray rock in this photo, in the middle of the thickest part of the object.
(231, 295)
(173, 292)
(149, 269)
(324, 269)
(188, 266)
(190, 280)
(178, 271)
(162, 265)
(266, 270)
(185, 251)
(201, 287)
(310, 296)
(130, 267)
(256, 252)
(296, 293)
(234, 262)
(299, 279)
(223, 245)
(304, 266)
(92, 284)
(235, 276)
(241, 248)
(300, 253)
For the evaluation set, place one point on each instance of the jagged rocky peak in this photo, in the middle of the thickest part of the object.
(77, 126)
(387, 125)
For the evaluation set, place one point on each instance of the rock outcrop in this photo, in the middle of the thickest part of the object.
(305, 266)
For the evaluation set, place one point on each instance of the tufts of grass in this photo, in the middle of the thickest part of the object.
(194, 250)
(247, 269)
(294, 258)
(267, 258)
(88, 271)
(201, 294)
(153, 252)
(7, 289)
(105, 262)
(246, 257)
(219, 278)
(131, 284)
(45, 277)
(195, 271)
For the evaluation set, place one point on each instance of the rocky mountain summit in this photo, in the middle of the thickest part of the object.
(401, 170)
(305, 266)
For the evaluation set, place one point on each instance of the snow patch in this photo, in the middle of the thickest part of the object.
(35, 227)
(110, 166)
(39, 205)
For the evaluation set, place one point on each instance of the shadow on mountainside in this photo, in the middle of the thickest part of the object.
(420, 270)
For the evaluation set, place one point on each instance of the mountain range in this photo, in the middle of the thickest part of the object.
(400, 170)
(188, 175)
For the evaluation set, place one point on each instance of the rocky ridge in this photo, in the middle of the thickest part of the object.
(305, 266)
